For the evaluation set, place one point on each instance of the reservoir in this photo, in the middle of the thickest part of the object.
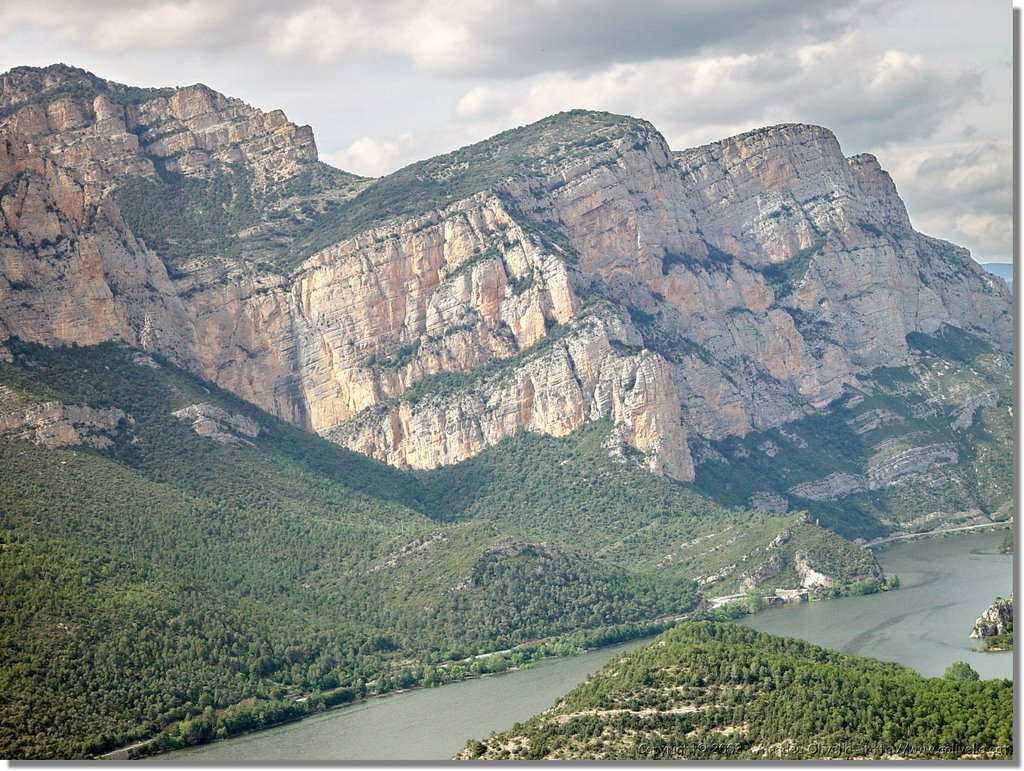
(422, 724)
(946, 583)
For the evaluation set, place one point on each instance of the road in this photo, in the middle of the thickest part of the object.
(929, 533)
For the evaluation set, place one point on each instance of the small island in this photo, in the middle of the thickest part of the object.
(995, 626)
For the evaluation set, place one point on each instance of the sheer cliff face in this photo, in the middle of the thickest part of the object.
(704, 293)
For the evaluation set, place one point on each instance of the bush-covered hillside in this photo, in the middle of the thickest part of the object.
(717, 691)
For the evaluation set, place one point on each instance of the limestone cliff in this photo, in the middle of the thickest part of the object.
(568, 271)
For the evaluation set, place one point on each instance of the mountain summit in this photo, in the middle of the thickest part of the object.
(560, 273)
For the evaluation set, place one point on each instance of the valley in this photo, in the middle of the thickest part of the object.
(276, 437)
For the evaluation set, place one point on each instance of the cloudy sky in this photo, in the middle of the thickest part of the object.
(923, 84)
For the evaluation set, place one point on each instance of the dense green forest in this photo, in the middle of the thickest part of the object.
(705, 690)
(236, 576)
(259, 569)
(279, 565)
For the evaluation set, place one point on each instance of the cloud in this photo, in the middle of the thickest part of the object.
(165, 25)
(485, 38)
(322, 33)
(371, 157)
(483, 103)
(876, 97)
(513, 40)
(961, 192)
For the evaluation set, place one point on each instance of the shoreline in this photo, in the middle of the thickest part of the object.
(883, 543)
(131, 751)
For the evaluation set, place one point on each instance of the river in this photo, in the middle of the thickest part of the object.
(946, 583)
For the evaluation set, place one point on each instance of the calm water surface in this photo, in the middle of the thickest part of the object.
(426, 724)
(946, 584)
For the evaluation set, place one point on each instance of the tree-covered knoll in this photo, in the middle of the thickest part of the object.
(706, 690)
(568, 490)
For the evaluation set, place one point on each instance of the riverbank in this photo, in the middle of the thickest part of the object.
(882, 543)
(254, 716)
(520, 660)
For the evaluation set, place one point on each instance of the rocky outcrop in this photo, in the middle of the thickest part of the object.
(834, 486)
(768, 501)
(912, 461)
(70, 269)
(105, 131)
(692, 295)
(574, 380)
(998, 619)
(53, 425)
(809, 577)
(766, 571)
(219, 425)
(965, 415)
(872, 419)
(780, 540)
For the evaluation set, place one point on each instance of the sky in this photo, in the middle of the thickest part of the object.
(925, 85)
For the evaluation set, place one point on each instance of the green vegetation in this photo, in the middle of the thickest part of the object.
(229, 215)
(169, 577)
(525, 152)
(183, 217)
(961, 670)
(787, 275)
(568, 490)
(719, 691)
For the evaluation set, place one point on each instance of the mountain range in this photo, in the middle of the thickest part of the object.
(565, 381)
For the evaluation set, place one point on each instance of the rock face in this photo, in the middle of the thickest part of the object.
(219, 425)
(52, 425)
(998, 619)
(912, 461)
(682, 296)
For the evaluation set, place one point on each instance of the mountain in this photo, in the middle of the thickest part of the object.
(614, 379)
(570, 271)
(177, 561)
(553, 275)
(708, 691)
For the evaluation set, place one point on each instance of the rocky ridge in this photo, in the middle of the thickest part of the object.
(693, 295)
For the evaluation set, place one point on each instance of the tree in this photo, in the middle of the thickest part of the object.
(961, 670)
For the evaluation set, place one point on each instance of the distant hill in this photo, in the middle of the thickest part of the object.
(1002, 269)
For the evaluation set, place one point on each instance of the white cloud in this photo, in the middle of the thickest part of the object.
(961, 192)
(372, 157)
(321, 33)
(166, 25)
(483, 103)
